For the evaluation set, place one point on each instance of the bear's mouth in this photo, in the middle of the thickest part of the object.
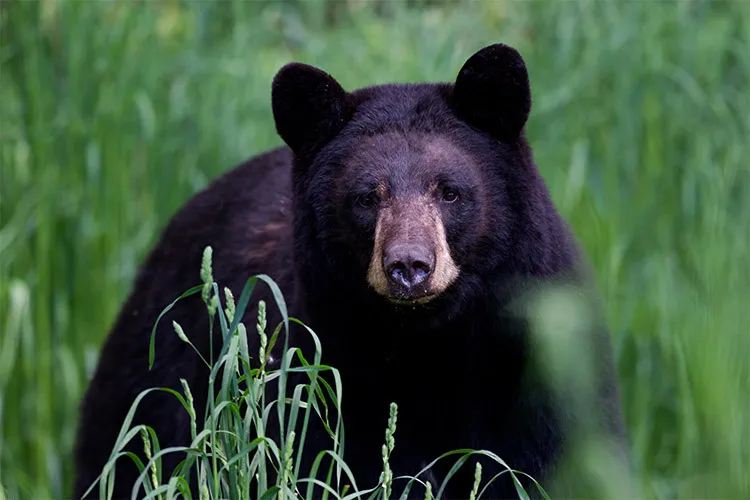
(405, 300)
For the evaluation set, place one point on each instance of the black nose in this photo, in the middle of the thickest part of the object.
(408, 265)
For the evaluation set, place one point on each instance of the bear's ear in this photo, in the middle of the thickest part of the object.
(309, 107)
(492, 92)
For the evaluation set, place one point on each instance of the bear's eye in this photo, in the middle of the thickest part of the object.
(450, 195)
(368, 200)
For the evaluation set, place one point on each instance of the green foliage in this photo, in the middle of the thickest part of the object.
(113, 113)
(234, 456)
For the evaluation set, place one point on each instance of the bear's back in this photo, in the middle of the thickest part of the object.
(245, 216)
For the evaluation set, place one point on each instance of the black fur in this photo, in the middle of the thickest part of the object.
(492, 92)
(461, 368)
(310, 107)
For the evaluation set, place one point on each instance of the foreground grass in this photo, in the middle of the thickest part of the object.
(235, 455)
(113, 113)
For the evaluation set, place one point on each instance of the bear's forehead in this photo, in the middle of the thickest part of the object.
(405, 156)
(410, 146)
(410, 107)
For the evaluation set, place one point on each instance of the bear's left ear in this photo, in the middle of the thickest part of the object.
(309, 107)
(492, 92)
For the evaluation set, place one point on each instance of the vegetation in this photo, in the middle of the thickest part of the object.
(237, 454)
(113, 113)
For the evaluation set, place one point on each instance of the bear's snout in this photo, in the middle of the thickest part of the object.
(411, 261)
(408, 266)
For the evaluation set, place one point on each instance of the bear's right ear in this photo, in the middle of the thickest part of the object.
(492, 92)
(309, 107)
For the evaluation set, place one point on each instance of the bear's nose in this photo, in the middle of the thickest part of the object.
(408, 265)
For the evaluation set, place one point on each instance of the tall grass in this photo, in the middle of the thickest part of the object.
(113, 113)
(237, 454)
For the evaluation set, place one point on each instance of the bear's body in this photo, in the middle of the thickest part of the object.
(404, 224)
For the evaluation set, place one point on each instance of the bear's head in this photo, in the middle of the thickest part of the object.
(416, 193)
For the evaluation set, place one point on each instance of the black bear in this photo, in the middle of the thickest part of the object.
(404, 223)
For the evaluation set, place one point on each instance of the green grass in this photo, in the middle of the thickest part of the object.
(113, 113)
(234, 455)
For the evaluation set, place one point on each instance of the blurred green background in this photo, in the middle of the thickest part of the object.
(113, 113)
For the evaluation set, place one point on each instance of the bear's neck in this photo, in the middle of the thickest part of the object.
(365, 327)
